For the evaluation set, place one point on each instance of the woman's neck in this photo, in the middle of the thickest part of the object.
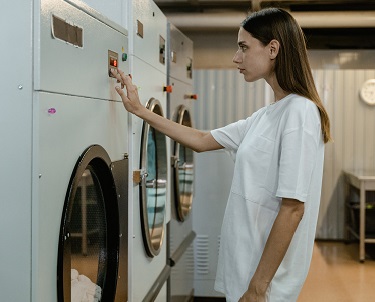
(278, 92)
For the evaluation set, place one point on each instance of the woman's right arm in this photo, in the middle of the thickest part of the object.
(194, 139)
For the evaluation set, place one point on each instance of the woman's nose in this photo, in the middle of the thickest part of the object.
(236, 58)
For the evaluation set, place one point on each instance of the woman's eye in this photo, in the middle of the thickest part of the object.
(243, 48)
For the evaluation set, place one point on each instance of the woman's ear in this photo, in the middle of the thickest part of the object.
(274, 47)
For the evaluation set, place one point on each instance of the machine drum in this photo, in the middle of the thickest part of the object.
(153, 189)
(183, 172)
(89, 234)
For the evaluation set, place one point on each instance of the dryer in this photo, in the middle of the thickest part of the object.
(180, 230)
(79, 161)
(148, 269)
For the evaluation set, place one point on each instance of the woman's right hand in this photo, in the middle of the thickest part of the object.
(130, 99)
(192, 138)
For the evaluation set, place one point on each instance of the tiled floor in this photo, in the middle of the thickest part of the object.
(336, 275)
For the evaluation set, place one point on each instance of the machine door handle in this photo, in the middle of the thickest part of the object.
(154, 183)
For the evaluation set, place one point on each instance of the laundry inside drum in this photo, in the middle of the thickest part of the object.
(88, 234)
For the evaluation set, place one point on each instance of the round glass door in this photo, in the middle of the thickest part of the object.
(183, 170)
(89, 234)
(153, 186)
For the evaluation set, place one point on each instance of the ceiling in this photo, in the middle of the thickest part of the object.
(243, 5)
(327, 24)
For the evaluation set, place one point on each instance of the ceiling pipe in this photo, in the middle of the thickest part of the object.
(232, 20)
(342, 19)
(206, 21)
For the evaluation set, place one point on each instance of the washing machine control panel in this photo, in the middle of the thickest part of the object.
(161, 50)
(112, 62)
(189, 68)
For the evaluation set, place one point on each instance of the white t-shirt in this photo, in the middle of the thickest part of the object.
(279, 153)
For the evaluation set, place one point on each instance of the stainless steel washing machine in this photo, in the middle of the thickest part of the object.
(150, 155)
(180, 230)
(77, 201)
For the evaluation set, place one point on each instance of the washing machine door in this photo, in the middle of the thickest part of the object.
(153, 188)
(89, 235)
(183, 169)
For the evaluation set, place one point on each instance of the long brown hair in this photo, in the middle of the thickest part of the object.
(292, 66)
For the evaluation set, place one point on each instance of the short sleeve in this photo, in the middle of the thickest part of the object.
(231, 136)
(299, 153)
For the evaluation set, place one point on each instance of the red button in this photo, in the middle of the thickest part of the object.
(191, 96)
(168, 88)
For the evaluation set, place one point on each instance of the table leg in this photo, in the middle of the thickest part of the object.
(362, 217)
(84, 216)
(347, 220)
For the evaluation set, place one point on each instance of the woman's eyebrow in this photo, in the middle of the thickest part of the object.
(241, 43)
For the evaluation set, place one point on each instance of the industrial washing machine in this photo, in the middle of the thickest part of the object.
(148, 269)
(76, 233)
(149, 150)
(180, 229)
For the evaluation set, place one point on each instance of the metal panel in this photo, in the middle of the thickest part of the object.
(114, 9)
(352, 124)
(225, 97)
(213, 175)
(180, 55)
(62, 67)
(179, 103)
(65, 127)
(151, 77)
(120, 170)
(149, 26)
(16, 150)
(150, 82)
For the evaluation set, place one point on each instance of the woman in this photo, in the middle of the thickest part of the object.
(269, 225)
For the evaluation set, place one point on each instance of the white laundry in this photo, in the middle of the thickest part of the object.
(74, 274)
(83, 289)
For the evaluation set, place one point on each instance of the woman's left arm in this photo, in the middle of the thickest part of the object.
(283, 229)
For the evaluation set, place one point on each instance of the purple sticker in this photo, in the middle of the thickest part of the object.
(51, 110)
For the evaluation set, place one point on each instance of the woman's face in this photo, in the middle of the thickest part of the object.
(253, 59)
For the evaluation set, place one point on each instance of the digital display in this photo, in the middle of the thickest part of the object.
(113, 62)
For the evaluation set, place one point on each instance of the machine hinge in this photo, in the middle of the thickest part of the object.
(138, 176)
(174, 161)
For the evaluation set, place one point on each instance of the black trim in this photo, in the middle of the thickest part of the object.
(183, 115)
(120, 171)
(144, 222)
(154, 106)
(96, 159)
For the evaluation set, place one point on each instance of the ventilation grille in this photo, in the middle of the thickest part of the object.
(201, 255)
